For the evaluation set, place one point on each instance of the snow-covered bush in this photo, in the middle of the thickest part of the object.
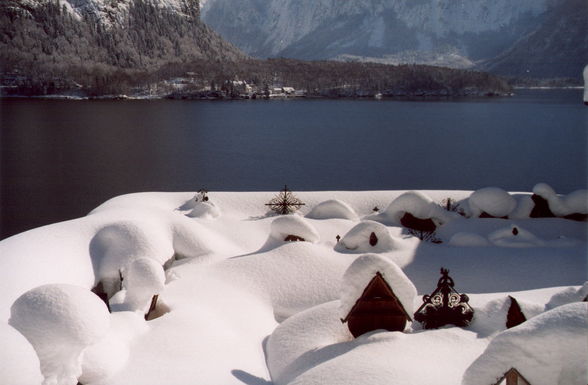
(492, 201)
(549, 349)
(575, 202)
(333, 208)
(205, 209)
(293, 227)
(60, 321)
(367, 236)
(362, 271)
(117, 244)
(143, 278)
(19, 364)
(419, 206)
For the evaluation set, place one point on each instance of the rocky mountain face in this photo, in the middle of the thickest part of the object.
(556, 47)
(91, 41)
(456, 33)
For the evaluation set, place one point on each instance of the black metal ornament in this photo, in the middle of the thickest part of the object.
(285, 202)
(444, 306)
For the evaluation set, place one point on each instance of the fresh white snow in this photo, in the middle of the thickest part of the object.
(240, 304)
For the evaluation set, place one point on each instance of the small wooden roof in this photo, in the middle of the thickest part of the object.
(377, 288)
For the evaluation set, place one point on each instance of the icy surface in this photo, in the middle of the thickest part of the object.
(548, 349)
(60, 321)
(241, 305)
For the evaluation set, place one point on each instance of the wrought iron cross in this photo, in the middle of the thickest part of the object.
(285, 202)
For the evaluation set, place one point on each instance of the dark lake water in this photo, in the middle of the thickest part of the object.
(60, 159)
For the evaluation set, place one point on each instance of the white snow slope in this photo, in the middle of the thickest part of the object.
(240, 305)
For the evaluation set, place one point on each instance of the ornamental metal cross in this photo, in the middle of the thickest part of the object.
(285, 202)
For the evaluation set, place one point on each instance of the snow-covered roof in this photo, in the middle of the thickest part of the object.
(363, 270)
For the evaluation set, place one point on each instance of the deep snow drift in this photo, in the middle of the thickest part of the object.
(248, 297)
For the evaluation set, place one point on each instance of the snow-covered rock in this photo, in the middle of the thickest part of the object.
(493, 201)
(293, 225)
(417, 204)
(19, 364)
(549, 349)
(143, 279)
(60, 321)
(362, 271)
(333, 208)
(367, 237)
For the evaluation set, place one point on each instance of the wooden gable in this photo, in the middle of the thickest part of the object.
(377, 308)
(515, 315)
(512, 377)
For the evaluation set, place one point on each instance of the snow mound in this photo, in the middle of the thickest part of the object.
(60, 321)
(491, 318)
(575, 202)
(117, 245)
(568, 295)
(514, 236)
(366, 237)
(464, 239)
(493, 201)
(417, 204)
(312, 330)
(549, 349)
(362, 271)
(19, 364)
(293, 225)
(110, 355)
(143, 279)
(206, 210)
(332, 209)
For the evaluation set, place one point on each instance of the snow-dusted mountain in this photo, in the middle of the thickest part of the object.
(53, 36)
(450, 32)
(111, 12)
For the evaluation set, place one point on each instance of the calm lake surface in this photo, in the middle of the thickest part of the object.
(61, 159)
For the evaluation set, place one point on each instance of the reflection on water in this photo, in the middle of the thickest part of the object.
(60, 159)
